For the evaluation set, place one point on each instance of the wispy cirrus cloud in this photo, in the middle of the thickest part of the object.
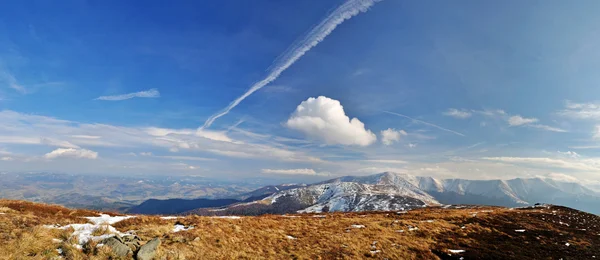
(12, 82)
(530, 122)
(584, 111)
(316, 35)
(151, 93)
(423, 122)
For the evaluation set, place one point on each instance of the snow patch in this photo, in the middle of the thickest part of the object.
(83, 232)
(228, 217)
(357, 226)
(179, 227)
(169, 217)
(290, 237)
(520, 230)
(456, 251)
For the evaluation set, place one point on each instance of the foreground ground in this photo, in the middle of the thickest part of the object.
(545, 232)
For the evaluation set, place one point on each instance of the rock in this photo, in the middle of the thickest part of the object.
(130, 238)
(196, 239)
(148, 250)
(117, 247)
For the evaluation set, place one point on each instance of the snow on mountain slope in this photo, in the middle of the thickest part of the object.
(385, 191)
(394, 191)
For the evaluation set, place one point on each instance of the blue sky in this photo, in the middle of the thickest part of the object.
(467, 89)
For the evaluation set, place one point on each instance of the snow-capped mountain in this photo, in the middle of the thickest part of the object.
(394, 191)
(385, 191)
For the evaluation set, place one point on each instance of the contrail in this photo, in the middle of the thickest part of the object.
(423, 122)
(317, 34)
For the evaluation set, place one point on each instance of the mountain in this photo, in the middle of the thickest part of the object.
(394, 191)
(176, 206)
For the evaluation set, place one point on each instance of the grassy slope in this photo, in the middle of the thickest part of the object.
(488, 234)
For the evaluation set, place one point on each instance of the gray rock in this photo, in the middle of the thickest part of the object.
(148, 251)
(130, 238)
(117, 247)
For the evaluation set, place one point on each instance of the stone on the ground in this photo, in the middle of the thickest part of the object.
(117, 247)
(148, 251)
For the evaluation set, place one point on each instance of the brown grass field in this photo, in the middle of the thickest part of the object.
(428, 233)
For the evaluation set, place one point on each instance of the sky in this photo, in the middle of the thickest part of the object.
(301, 89)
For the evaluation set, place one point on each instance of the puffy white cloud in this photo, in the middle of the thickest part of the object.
(460, 114)
(519, 120)
(290, 171)
(390, 135)
(324, 119)
(151, 93)
(71, 153)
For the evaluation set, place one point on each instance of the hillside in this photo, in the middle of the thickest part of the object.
(38, 231)
(394, 191)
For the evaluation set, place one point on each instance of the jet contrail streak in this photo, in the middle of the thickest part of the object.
(346, 11)
(423, 122)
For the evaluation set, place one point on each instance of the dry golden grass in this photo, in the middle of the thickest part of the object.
(488, 233)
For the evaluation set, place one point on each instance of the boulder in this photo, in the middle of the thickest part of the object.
(117, 247)
(148, 251)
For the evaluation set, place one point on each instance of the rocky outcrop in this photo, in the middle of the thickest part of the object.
(117, 246)
(148, 251)
(130, 245)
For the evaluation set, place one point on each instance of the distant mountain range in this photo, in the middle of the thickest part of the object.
(175, 206)
(393, 191)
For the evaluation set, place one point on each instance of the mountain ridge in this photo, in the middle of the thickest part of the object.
(399, 191)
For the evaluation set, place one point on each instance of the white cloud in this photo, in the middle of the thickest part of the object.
(460, 114)
(423, 122)
(324, 119)
(316, 35)
(490, 112)
(11, 81)
(71, 153)
(561, 177)
(57, 143)
(86, 136)
(411, 145)
(6, 158)
(589, 111)
(389, 136)
(151, 93)
(597, 132)
(570, 154)
(25, 130)
(519, 120)
(579, 165)
(146, 154)
(386, 161)
(290, 171)
(185, 158)
(208, 134)
(547, 128)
